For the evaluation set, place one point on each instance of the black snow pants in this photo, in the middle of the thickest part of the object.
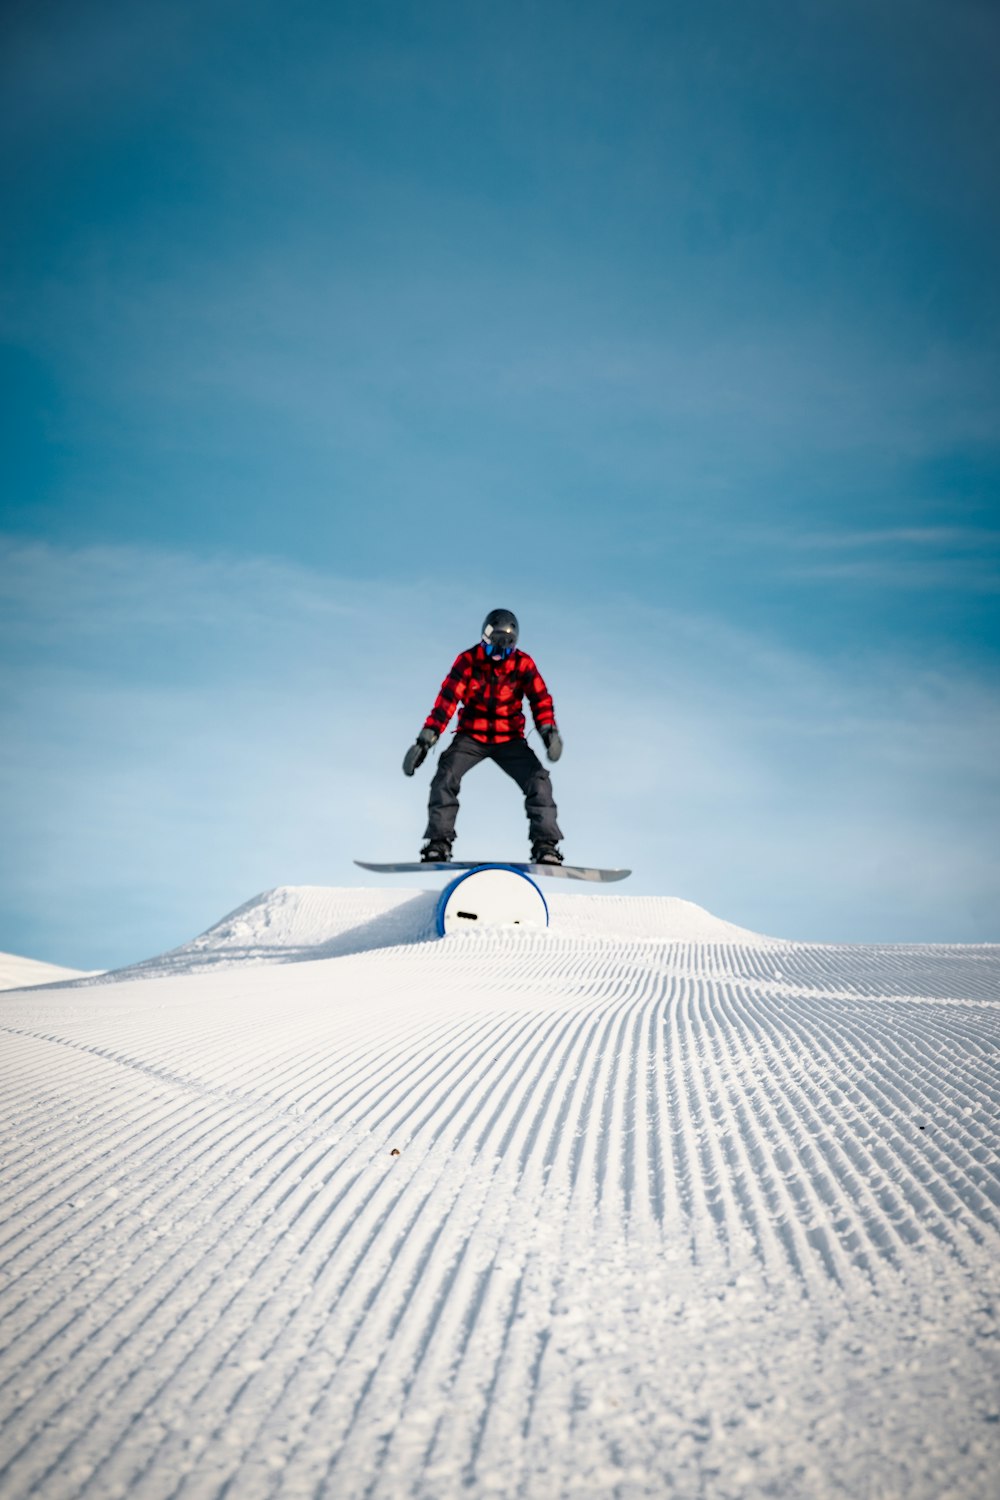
(517, 758)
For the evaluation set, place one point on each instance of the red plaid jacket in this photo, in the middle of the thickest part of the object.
(491, 696)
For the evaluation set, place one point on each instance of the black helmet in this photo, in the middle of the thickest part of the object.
(499, 633)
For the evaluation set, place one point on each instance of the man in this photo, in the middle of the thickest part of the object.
(490, 681)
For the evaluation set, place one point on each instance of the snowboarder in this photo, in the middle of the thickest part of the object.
(490, 681)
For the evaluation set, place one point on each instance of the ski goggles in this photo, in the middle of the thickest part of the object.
(497, 649)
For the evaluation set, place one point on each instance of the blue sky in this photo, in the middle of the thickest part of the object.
(326, 328)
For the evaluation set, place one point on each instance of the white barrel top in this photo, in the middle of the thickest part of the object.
(491, 896)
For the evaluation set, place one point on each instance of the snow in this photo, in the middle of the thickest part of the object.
(640, 1205)
(20, 973)
(293, 923)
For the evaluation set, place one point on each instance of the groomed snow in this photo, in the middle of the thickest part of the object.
(643, 1205)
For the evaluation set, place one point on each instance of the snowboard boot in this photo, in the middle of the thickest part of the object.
(545, 854)
(436, 852)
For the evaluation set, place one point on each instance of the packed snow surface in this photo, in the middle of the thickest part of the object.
(20, 973)
(643, 1205)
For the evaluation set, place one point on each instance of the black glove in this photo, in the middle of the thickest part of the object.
(553, 741)
(417, 753)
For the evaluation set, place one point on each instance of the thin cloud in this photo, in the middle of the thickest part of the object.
(972, 575)
(57, 592)
(945, 558)
(973, 538)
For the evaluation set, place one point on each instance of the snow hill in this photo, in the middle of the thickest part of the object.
(294, 923)
(643, 1205)
(21, 973)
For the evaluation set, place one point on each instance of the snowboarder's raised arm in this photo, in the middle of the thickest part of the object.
(452, 692)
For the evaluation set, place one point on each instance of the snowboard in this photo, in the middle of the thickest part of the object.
(568, 872)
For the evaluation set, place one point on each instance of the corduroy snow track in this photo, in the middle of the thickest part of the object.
(643, 1205)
